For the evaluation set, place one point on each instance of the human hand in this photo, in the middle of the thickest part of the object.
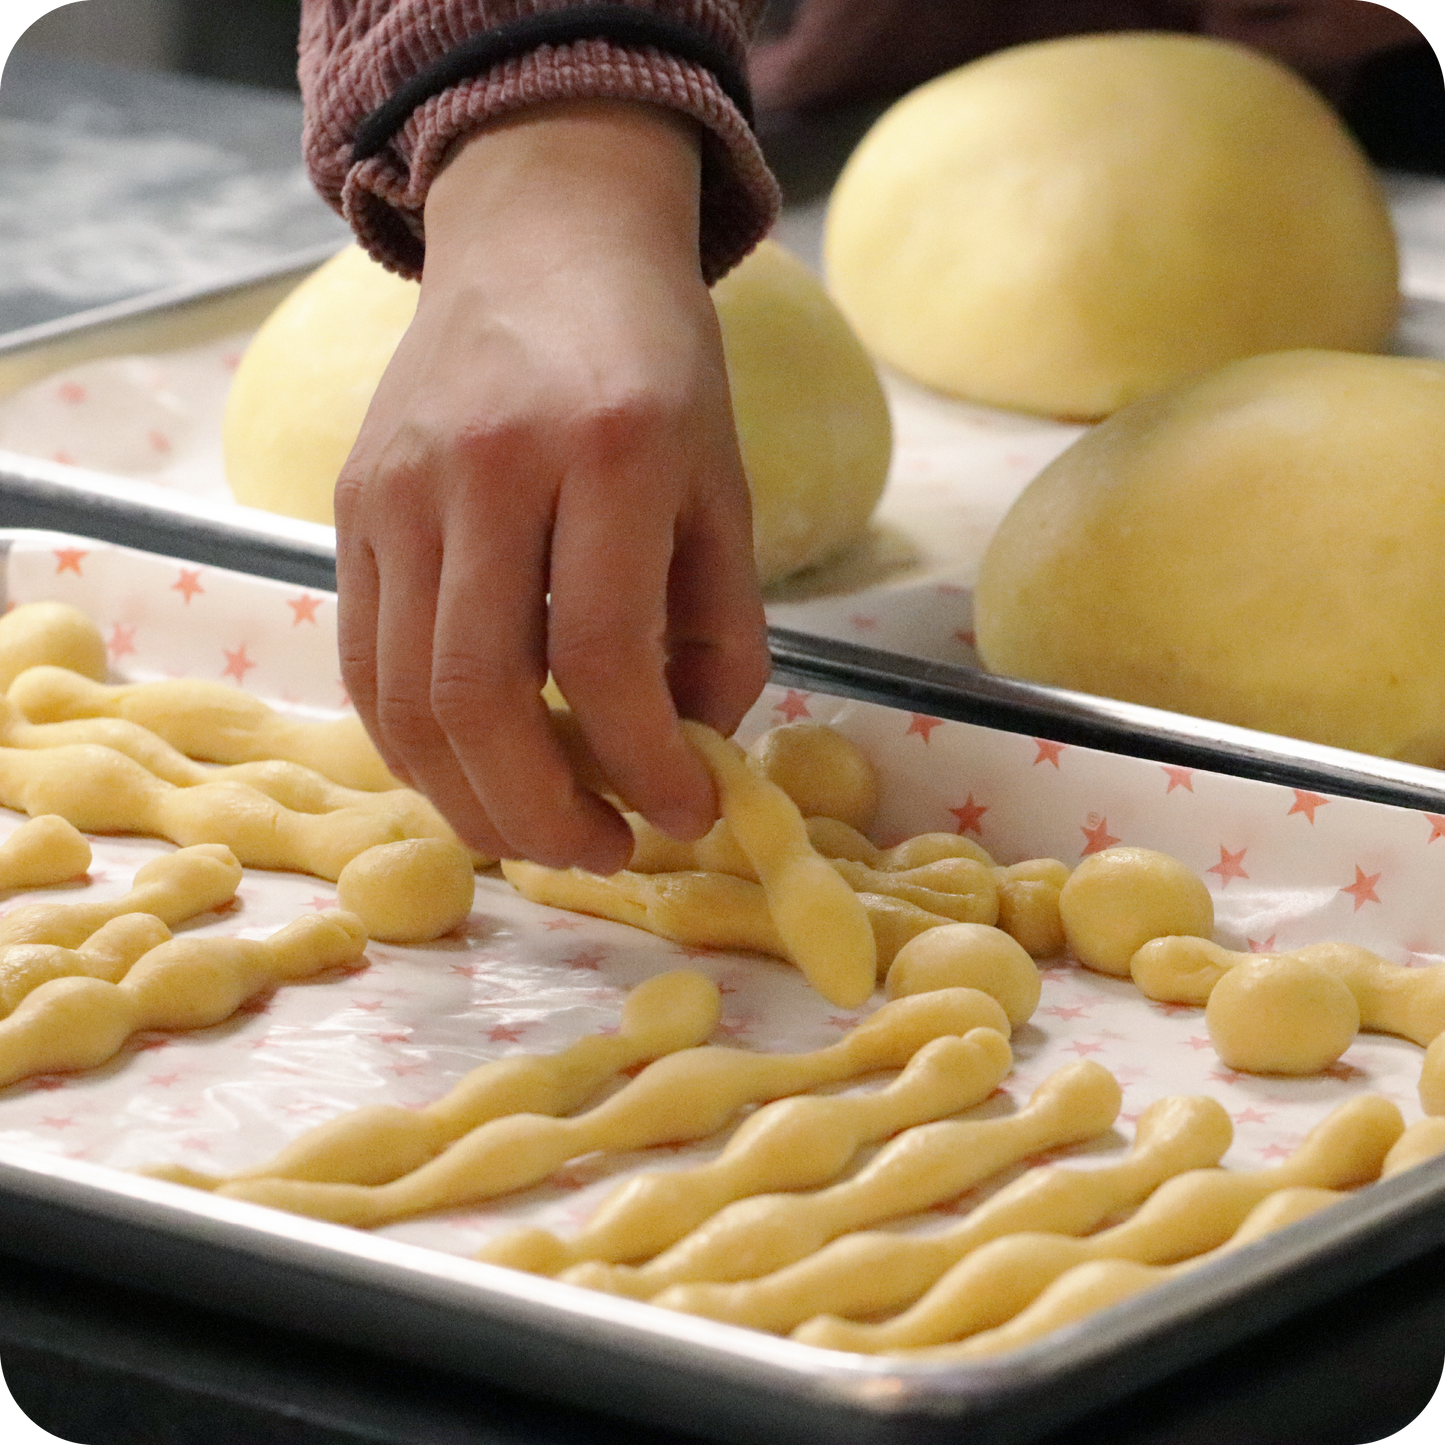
(548, 479)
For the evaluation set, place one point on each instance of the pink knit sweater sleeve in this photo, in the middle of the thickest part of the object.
(358, 54)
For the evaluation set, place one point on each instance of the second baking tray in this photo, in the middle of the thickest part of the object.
(1280, 857)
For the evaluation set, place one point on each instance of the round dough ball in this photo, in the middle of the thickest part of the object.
(812, 420)
(1432, 1078)
(1117, 901)
(1261, 547)
(411, 891)
(1281, 1016)
(1065, 226)
(821, 771)
(968, 955)
(49, 634)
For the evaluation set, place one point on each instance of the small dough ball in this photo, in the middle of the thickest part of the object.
(54, 634)
(812, 419)
(1065, 226)
(1028, 905)
(1116, 901)
(46, 850)
(821, 771)
(968, 955)
(1432, 1078)
(1281, 1016)
(1261, 546)
(410, 891)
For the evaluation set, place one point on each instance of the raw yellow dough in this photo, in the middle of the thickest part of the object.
(1184, 1217)
(49, 633)
(1432, 1078)
(871, 1273)
(796, 1143)
(43, 851)
(921, 1167)
(381, 1142)
(812, 419)
(821, 771)
(209, 720)
(1028, 905)
(1117, 900)
(1065, 226)
(106, 954)
(411, 891)
(969, 955)
(79, 1022)
(1260, 546)
(1281, 1016)
(1424, 1139)
(687, 1095)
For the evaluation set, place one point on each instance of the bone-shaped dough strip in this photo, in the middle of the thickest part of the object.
(1184, 1217)
(107, 954)
(1088, 1288)
(43, 851)
(685, 1096)
(921, 1167)
(796, 1143)
(209, 720)
(870, 1273)
(823, 927)
(173, 887)
(103, 791)
(1409, 1002)
(381, 1142)
(187, 983)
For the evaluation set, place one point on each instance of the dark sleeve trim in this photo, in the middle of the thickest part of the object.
(623, 25)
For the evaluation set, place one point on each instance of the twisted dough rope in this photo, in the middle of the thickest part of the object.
(382, 1142)
(921, 1167)
(43, 851)
(796, 1143)
(1409, 1002)
(187, 983)
(681, 1097)
(107, 954)
(1186, 1216)
(103, 791)
(208, 720)
(173, 887)
(870, 1273)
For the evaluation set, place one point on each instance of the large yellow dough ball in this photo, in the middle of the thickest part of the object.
(812, 419)
(1261, 547)
(1062, 227)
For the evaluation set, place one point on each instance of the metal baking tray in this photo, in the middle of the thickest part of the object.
(719, 1381)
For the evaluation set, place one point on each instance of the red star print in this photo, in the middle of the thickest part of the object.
(183, 1111)
(319, 903)
(1196, 1042)
(1060, 1011)
(1228, 868)
(400, 1070)
(693, 951)
(506, 1033)
(367, 1005)
(1306, 803)
(122, 641)
(1081, 1048)
(862, 623)
(68, 559)
(923, 725)
(1251, 1116)
(164, 1081)
(399, 1037)
(553, 924)
(1099, 837)
(1275, 1151)
(304, 607)
(71, 392)
(1437, 826)
(587, 958)
(62, 456)
(1261, 945)
(969, 816)
(188, 584)
(63, 1122)
(237, 663)
(1047, 752)
(1362, 890)
(966, 635)
(1178, 778)
(466, 970)
(1226, 1076)
(793, 706)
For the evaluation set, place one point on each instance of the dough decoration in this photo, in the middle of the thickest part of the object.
(920, 1168)
(1028, 905)
(1409, 1002)
(822, 771)
(36, 634)
(1117, 900)
(1186, 1216)
(681, 1097)
(106, 954)
(968, 955)
(41, 852)
(1281, 1016)
(382, 1142)
(411, 891)
(869, 1273)
(80, 1022)
(173, 887)
(103, 791)
(958, 890)
(1424, 1139)
(795, 1143)
(208, 720)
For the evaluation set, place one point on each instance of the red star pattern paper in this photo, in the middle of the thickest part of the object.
(1047, 752)
(1178, 778)
(1307, 803)
(793, 706)
(1097, 837)
(1230, 866)
(1362, 890)
(188, 584)
(922, 725)
(969, 816)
